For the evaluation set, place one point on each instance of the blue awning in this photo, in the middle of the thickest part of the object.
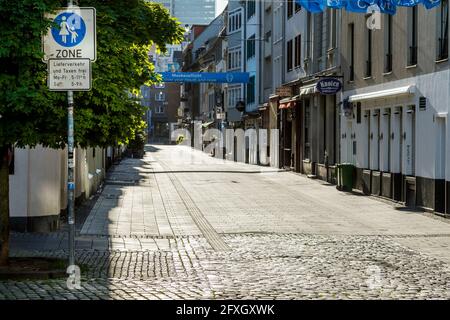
(386, 6)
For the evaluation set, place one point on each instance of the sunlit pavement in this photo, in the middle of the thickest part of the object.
(179, 224)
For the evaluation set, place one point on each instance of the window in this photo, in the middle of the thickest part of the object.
(251, 90)
(159, 109)
(251, 47)
(332, 28)
(298, 51)
(351, 42)
(442, 45)
(368, 51)
(290, 8)
(234, 59)
(160, 96)
(309, 35)
(388, 44)
(234, 21)
(289, 52)
(234, 95)
(251, 8)
(412, 38)
(358, 112)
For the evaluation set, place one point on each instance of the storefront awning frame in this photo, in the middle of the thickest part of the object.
(401, 91)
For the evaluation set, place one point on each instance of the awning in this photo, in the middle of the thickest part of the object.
(288, 102)
(306, 90)
(207, 124)
(263, 107)
(286, 105)
(402, 91)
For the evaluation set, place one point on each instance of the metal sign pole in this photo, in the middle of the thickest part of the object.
(71, 178)
(70, 172)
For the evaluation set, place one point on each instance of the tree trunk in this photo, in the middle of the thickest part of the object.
(4, 205)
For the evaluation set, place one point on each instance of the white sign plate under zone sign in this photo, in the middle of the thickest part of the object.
(72, 36)
(70, 74)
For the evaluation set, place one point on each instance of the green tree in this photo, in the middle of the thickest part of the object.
(106, 115)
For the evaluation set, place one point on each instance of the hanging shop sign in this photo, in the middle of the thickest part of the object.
(284, 92)
(329, 86)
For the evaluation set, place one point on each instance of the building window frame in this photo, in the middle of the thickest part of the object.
(388, 44)
(234, 60)
(235, 21)
(298, 51)
(289, 55)
(251, 87)
(351, 43)
(159, 109)
(413, 38)
(369, 53)
(251, 47)
(160, 96)
(251, 9)
(442, 31)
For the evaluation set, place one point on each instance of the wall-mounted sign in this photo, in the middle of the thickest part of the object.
(329, 86)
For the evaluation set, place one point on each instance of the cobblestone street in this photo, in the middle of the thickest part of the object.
(179, 224)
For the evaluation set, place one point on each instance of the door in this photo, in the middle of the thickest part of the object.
(409, 134)
(385, 141)
(396, 140)
(441, 155)
(375, 140)
(350, 145)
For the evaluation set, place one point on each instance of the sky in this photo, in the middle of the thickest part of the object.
(220, 6)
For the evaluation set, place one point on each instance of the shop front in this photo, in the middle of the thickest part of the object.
(318, 127)
(396, 137)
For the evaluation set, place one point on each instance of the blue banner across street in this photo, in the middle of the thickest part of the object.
(214, 77)
(386, 6)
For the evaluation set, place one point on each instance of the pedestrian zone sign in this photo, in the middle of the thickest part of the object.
(72, 36)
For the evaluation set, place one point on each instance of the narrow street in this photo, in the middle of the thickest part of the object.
(179, 224)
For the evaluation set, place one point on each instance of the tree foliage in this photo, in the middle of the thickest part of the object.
(31, 115)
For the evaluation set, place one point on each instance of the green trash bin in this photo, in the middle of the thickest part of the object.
(345, 176)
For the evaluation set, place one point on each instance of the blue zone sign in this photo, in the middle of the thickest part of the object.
(197, 77)
(329, 86)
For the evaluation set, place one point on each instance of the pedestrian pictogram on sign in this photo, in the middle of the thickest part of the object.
(70, 29)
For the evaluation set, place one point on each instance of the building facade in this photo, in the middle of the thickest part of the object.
(396, 102)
